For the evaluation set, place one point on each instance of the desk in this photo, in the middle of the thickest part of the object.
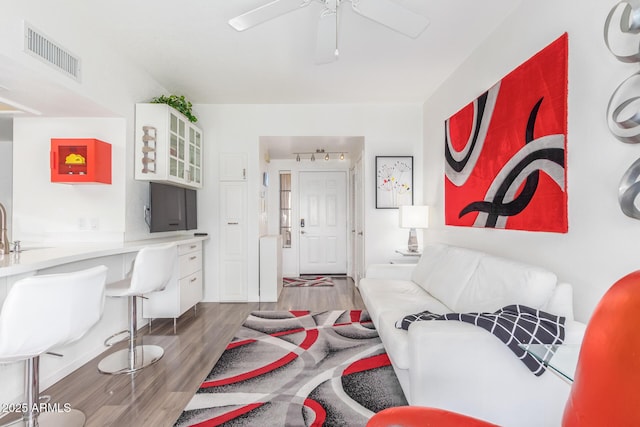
(561, 359)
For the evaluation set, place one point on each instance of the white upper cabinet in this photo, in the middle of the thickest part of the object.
(168, 146)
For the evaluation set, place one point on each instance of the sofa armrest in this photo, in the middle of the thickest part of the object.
(390, 271)
(463, 368)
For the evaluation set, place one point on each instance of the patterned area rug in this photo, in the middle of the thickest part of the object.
(298, 369)
(307, 281)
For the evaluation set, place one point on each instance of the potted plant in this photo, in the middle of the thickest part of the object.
(177, 102)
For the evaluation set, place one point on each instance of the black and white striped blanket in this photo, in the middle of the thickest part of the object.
(513, 325)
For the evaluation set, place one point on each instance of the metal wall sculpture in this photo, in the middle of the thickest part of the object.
(505, 151)
(623, 111)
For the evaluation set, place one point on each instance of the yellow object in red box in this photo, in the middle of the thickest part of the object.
(74, 159)
(80, 161)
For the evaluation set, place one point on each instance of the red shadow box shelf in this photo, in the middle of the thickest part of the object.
(81, 160)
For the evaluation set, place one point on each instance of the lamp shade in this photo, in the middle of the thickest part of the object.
(414, 216)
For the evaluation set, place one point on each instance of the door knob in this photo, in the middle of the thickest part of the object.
(303, 232)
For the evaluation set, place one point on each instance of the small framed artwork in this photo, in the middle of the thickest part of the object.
(394, 181)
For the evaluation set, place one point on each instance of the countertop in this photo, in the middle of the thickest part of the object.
(33, 259)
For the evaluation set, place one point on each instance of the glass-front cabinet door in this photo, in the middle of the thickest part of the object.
(194, 174)
(177, 146)
(168, 146)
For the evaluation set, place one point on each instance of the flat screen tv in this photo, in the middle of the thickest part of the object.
(172, 208)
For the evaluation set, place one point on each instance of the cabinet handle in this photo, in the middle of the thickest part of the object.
(232, 223)
(193, 279)
(192, 258)
(244, 173)
(193, 246)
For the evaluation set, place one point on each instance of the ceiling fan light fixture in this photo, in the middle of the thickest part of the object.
(341, 156)
(384, 12)
(326, 157)
(265, 13)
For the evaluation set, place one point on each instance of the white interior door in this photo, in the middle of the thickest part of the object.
(358, 196)
(323, 222)
(233, 238)
(351, 243)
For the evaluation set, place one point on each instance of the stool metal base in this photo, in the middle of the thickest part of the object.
(127, 361)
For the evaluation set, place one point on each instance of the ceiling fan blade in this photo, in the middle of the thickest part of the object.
(327, 37)
(392, 15)
(266, 12)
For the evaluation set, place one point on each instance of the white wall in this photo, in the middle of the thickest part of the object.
(600, 246)
(110, 86)
(387, 130)
(46, 212)
(107, 78)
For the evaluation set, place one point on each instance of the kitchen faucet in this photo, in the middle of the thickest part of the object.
(4, 240)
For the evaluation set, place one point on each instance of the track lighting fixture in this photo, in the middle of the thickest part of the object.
(320, 151)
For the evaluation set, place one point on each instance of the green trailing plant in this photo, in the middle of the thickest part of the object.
(177, 102)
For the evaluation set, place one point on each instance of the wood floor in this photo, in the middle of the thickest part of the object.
(155, 396)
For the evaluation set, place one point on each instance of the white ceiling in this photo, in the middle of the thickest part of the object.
(190, 49)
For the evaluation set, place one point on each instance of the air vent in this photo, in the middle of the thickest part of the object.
(42, 47)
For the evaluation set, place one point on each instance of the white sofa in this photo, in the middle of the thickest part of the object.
(458, 366)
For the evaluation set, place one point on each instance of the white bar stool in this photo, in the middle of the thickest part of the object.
(152, 269)
(43, 312)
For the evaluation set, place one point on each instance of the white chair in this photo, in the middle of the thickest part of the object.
(151, 271)
(43, 312)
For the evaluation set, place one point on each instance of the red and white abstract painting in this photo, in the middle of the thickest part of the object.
(505, 152)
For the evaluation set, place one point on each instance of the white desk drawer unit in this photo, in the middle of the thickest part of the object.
(185, 289)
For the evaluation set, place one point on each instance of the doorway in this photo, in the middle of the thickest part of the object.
(323, 222)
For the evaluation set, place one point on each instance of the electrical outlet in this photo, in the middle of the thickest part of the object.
(83, 224)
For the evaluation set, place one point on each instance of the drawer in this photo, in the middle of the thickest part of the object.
(190, 263)
(190, 291)
(189, 247)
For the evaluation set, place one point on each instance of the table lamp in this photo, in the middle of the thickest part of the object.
(413, 217)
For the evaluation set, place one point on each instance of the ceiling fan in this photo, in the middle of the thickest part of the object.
(384, 12)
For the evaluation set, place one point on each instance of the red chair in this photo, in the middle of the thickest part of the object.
(606, 387)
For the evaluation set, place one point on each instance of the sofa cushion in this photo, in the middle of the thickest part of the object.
(426, 264)
(561, 301)
(498, 282)
(380, 295)
(444, 271)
